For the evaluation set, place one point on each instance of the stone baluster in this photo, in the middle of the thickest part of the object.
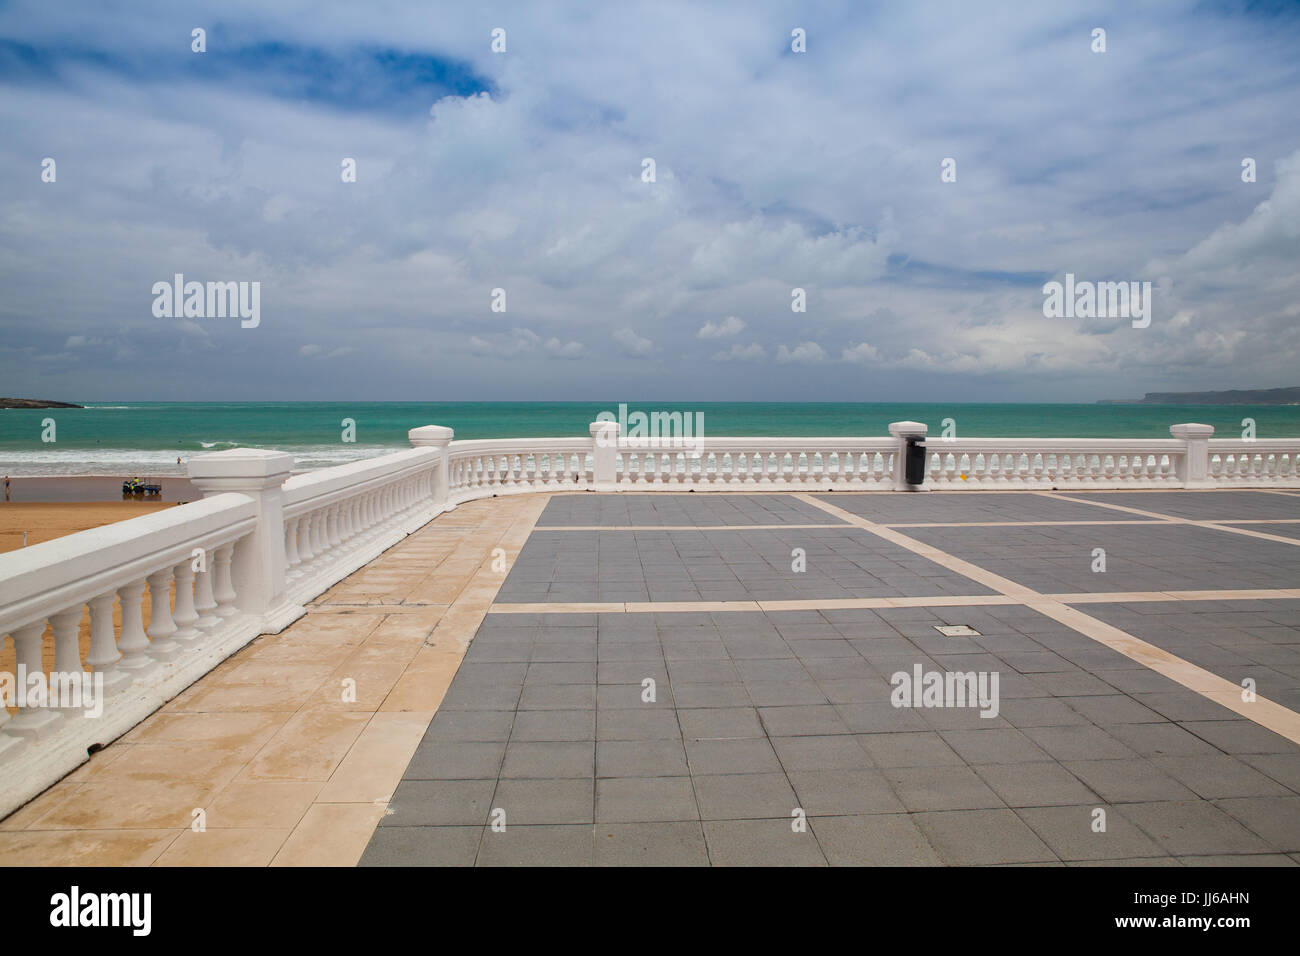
(161, 627)
(184, 614)
(223, 587)
(132, 642)
(34, 718)
(103, 655)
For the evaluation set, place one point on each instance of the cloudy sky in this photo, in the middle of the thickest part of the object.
(523, 171)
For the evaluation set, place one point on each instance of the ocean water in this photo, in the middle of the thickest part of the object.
(115, 439)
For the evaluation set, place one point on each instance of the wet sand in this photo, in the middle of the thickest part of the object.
(175, 490)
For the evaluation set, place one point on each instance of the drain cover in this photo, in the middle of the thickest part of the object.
(956, 630)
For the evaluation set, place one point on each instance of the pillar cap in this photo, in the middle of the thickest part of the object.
(436, 436)
(1191, 430)
(604, 429)
(253, 467)
(908, 429)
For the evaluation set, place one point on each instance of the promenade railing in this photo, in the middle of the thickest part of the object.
(142, 608)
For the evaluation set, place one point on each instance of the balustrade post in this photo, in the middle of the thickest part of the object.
(1194, 464)
(604, 455)
(438, 437)
(259, 566)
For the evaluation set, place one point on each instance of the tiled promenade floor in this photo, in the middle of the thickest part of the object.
(768, 628)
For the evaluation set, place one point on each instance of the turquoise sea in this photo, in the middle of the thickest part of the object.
(147, 438)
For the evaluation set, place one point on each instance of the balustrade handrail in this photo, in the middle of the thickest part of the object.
(44, 578)
(317, 488)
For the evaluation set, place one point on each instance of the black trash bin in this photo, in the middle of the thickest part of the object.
(914, 466)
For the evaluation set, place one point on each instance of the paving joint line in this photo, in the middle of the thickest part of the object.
(1268, 714)
(1174, 519)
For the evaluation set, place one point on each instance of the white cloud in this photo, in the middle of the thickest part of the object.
(632, 343)
(568, 350)
(804, 352)
(720, 330)
(741, 353)
(862, 353)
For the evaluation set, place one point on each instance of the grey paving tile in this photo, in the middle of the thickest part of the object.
(1131, 780)
(999, 745)
(838, 792)
(982, 837)
(732, 755)
(1034, 785)
(1071, 833)
(422, 846)
(456, 760)
(549, 759)
(836, 752)
(761, 843)
(803, 720)
(702, 722)
(1193, 828)
(1240, 736)
(646, 724)
(641, 758)
(880, 839)
(537, 725)
(1220, 775)
(941, 788)
(645, 800)
(552, 845)
(527, 802)
(1275, 819)
(438, 803)
(1084, 742)
(913, 749)
(462, 725)
(650, 844)
(747, 796)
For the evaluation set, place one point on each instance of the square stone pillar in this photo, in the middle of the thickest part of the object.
(903, 431)
(604, 452)
(258, 571)
(1194, 468)
(439, 437)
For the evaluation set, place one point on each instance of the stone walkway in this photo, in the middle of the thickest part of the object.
(707, 679)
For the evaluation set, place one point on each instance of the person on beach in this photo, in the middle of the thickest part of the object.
(6, 487)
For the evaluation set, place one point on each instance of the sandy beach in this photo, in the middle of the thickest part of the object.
(43, 521)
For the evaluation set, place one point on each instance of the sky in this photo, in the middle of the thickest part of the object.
(523, 170)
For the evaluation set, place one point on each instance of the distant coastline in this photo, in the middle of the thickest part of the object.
(1259, 396)
(35, 403)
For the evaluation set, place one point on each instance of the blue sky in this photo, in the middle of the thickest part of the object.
(522, 171)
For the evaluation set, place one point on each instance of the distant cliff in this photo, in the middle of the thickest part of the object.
(1257, 396)
(34, 403)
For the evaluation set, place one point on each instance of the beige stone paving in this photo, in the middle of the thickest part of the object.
(287, 770)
